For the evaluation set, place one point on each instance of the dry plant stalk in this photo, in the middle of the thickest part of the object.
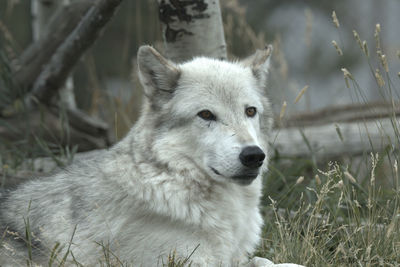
(338, 50)
(339, 132)
(317, 179)
(299, 180)
(375, 160)
(347, 75)
(350, 177)
(365, 48)
(301, 94)
(339, 185)
(335, 19)
(377, 37)
(357, 37)
(384, 63)
(283, 109)
(379, 78)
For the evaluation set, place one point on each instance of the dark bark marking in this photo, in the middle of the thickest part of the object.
(172, 35)
(47, 3)
(173, 10)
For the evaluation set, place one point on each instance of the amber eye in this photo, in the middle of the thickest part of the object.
(251, 111)
(206, 115)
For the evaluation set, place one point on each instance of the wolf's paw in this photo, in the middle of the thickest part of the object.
(288, 265)
(263, 262)
(260, 262)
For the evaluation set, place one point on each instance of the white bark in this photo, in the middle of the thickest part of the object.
(42, 10)
(192, 28)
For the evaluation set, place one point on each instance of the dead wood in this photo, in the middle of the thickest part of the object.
(43, 68)
(333, 140)
(32, 61)
(344, 113)
(87, 134)
(54, 74)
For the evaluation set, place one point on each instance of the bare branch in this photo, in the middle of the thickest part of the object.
(69, 52)
(47, 63)
(87, 124)
(32, 60)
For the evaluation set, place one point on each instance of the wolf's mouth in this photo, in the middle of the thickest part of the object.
(249, 176)
(215, 171)
(245, 178)
(243, 181)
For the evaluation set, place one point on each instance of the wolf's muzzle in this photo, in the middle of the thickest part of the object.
(252, 157)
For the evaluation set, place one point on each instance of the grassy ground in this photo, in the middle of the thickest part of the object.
(332, 219)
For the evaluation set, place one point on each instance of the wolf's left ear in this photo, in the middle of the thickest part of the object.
(259, 63)
(158, 75)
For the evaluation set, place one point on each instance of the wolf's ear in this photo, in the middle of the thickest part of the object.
(158, 75)
(259, 63)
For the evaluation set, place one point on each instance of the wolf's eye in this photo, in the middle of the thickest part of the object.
(206, 115)
(251, 111)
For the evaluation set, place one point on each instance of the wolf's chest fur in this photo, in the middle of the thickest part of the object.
(187, 210)
(147, 214)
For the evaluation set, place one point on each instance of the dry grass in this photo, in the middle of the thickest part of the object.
(335, 222)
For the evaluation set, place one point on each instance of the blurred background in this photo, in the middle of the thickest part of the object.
(301, 31)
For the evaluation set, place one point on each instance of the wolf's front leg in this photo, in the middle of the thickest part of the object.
(263, 262)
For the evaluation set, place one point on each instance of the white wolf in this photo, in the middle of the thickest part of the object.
(186, 180)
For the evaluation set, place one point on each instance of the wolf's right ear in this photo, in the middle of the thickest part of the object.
(259, 63)
(158, 75)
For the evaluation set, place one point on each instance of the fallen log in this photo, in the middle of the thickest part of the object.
(342, 113)
(333, 140)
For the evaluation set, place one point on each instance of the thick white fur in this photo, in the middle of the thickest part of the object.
(154, 194)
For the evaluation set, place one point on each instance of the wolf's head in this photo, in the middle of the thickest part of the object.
(209, 113)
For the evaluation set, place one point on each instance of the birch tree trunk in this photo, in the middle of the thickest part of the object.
(192, 28)
(42, 10)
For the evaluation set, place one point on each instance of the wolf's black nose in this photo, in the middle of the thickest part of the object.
(252, 156)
